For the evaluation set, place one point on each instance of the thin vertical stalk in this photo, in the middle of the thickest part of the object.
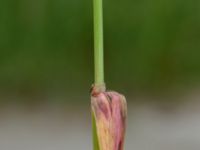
(94, 132)
(98, 42)
(98, 57)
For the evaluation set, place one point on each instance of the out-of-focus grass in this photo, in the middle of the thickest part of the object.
(46, 46)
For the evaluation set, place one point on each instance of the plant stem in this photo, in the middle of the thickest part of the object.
(98, 42)
(94, 132)
(98, 57)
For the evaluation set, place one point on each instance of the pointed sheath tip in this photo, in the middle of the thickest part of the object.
(110, 112)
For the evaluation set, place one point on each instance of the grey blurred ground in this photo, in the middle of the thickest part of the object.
(151, 126)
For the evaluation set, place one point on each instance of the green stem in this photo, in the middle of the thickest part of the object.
(98, 57)
(94, 132)
(98, 42)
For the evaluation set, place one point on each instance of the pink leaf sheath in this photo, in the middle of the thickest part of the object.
(110, 111)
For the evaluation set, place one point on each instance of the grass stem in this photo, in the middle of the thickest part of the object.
(98, 57)
(98, 42)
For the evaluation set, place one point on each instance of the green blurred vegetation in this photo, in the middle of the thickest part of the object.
(47, 45)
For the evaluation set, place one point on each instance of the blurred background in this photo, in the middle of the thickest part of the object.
(152, 51)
